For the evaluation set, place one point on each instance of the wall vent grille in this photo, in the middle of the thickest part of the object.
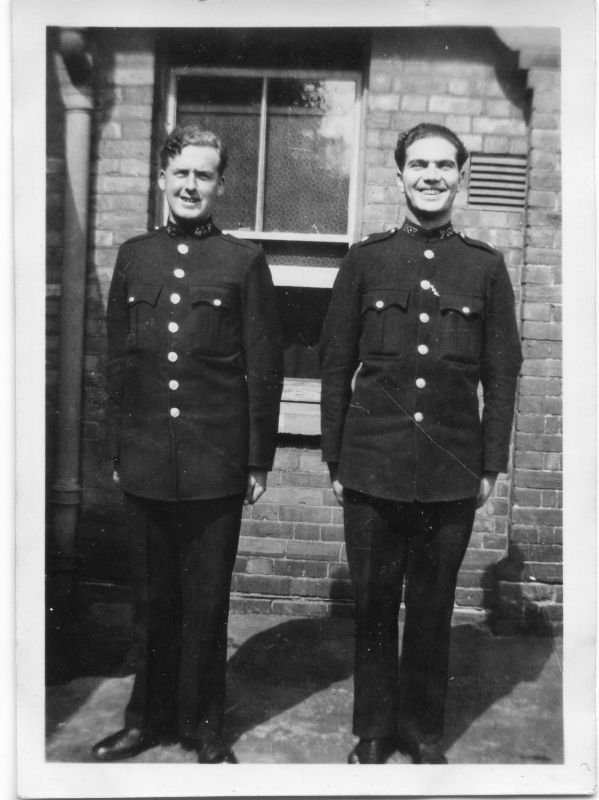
(497, 181)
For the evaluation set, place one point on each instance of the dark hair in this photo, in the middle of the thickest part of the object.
(424, 131)
(184, 135)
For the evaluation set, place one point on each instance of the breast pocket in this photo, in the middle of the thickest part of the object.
(384, 321)
(461, 327)
(215, 313)
(143, 318)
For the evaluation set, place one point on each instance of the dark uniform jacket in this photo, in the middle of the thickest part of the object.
(194, 364)
(424, 318)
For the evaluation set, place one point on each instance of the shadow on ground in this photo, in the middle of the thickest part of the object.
(290, 691)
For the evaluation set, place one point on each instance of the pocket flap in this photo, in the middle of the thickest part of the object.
(144, 293)
(216, 296)
(381, 299)
(466, 304)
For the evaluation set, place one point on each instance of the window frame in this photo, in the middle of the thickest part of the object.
(353, 194)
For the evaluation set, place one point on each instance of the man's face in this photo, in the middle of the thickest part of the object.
(430, 180)
(192, 184)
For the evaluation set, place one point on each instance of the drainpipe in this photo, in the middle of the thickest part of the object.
(73, 67)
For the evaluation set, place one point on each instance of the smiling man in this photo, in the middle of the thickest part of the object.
(420, 317)
(194, 382)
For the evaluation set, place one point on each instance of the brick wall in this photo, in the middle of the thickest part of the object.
(530, 590)
(291, 556)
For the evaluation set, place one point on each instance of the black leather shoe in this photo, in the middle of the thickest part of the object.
(215, 753)
(126, 743)
(372, 751)
(423, 753)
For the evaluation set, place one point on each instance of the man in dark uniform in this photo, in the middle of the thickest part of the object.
(420, 316)
(194, 384)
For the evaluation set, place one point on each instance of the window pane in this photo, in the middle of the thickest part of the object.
(231, 108)
(308, 155)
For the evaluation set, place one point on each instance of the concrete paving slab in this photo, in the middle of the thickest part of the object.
(290, 692)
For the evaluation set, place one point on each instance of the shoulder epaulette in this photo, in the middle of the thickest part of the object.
(229, 237)
(376, 237)
(478, 243)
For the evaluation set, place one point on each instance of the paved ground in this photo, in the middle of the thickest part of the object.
(290, 692)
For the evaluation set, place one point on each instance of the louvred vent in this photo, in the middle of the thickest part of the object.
(497, 181)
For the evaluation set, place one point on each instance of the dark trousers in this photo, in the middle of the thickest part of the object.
(183, 558)
(419, 546)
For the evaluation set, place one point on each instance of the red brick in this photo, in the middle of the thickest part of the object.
(530, 423)
(531, 459)
(263, 510)
(547, 405)
(339, 572)
(306, 532)
(528, 497)
(545, 350)
(266, 547)
(340, 590)
(259, 566)
(550, 368)
(315, 551)
(542, 274)
(536, 312)
(303, 587)
(331, 533)
(544, 159)
(536, 479)
(544, 255)
(267, 528)
(304, 513)
(301, 569)
(546, 179)
(542, 199)
(536, 516)
(300, 609)
(545, 140)
(530, 442)
(262, 584)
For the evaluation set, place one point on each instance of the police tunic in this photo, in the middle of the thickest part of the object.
(418, 320)
(194, 366)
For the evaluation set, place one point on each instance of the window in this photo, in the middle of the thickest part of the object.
(291, 184)
(292, 140)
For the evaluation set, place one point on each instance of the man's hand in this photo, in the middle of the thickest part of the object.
(487, 484)
(256, 486)
(116, 478)
(336, 485)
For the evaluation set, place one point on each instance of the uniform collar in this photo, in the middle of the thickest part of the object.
(426, 234)
(198, 232)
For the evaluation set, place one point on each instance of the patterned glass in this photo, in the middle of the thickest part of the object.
(308, 155)
(231, 108)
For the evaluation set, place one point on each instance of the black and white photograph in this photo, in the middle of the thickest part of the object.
(305, 398)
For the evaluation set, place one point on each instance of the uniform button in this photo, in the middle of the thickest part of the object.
(380, 303)
(179, 273)
(173, 327)
(173, 385)
(132, 299)
(183, 248)
(422, 349)
(175, 412)
(426, 285)
(175, 298)
(465, 310)
(420, 383)
(172, 357)
(429, 254)
(217, 301)
(424, 317)
(418, 417)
